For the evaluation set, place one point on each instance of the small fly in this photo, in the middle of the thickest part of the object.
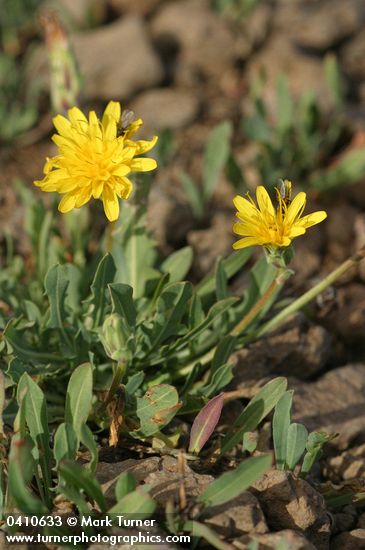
(125, 121)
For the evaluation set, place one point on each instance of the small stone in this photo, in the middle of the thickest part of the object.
(210, 243)
(353, 57)
(349, 465)
(166, 108)
(291, 503)
(347, 320)
(333, 404)
(138, 7)
(117, 60)
(238, 516)
(271, 541)
(298, 348)
(324, 25)
(204, 40)
(280, 56)
(352, 540)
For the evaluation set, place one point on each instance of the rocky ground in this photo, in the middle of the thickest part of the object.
(183, 67)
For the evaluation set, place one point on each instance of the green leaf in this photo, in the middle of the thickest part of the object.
(56, 284)
(87, 438)
(79, 397)
(221, 287)
(178, 264)
(232, 265)
(2, 402)
(259, 407)
(104, 275)
(20, 472)
(296, 441)
(200, 530)
(81, 479)
(284, 105)
(65, 443)
(219, 380)
(35, 409)
(126, 484)
(171, 307)
(122, 300)
(157, 408)
(194, 195)
(216, 156)
(15, 338)
(136, 503)
(231, 484)
(280, 427)
(334, 80)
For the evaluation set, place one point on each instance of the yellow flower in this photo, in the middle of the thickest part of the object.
(266, 226)
(95, 157)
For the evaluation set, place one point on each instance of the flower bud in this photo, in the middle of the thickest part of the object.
(114, 336)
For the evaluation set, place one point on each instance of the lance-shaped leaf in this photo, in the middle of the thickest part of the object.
(205, 422)
(136, 503)
(20, 472)
(260, 406)
(178, 264)
(65, 443)
(122, 300)
(56, 284)
(79, 397)
(15, 337)
(157, 408)
(296, 441)
(104, 275)
(231, 484)
(280, 426)
(79, 478)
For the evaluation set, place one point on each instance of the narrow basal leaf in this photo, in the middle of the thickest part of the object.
(280, 427)
(88, 439)
(79, 397)
(231, 484)
(20, 472)
(216, 156)
(199, 530)
(56, 284)
(122, 300)
(178, 264)
(104, 275)
(79, 478)
(137, 504)
(65, 443)
(296, 441)
(205, 422)
(126, 484)
(259, 407)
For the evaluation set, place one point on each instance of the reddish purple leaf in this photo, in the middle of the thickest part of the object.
(204, 424)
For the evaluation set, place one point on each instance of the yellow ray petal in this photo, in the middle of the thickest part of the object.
(264, 202)
(246, 242)
(143, 165)
(68, 202)
(245, 208)
(111, 204)
(296, 207)
(312, 219)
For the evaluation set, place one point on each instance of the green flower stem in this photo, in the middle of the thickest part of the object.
(117, 378)
(310, 295)
(110, 236)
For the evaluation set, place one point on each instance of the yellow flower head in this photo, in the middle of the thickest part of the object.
(95, 157)
(273, 228)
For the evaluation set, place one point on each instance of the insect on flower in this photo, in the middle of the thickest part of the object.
(95, 157)
(272, 228)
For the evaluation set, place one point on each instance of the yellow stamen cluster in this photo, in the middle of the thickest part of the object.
(266, 226)
(95, 159)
